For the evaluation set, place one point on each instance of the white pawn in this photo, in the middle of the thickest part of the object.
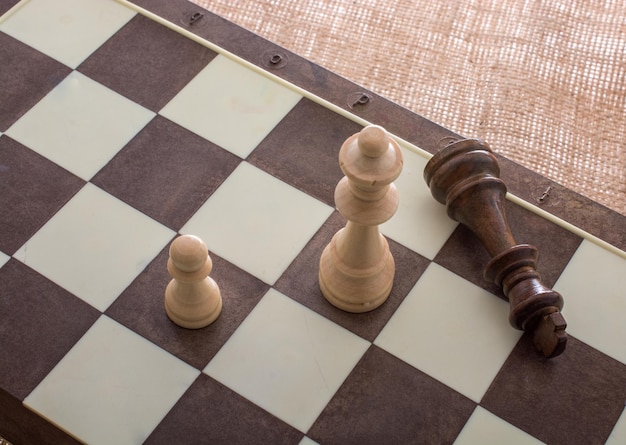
(192, 298)
(356, 268)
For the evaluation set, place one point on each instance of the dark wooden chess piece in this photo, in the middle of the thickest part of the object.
(464, 176)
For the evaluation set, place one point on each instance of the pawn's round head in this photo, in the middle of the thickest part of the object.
(189, 253)
(373, 141)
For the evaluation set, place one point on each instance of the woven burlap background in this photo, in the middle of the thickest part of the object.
(543, 82)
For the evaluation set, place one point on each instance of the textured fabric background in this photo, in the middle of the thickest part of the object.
(543, 82)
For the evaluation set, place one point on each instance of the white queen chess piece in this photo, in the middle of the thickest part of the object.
(356, 268)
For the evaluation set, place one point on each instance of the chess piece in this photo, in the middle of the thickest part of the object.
(356, 268)
(192, 298)
(465, 177)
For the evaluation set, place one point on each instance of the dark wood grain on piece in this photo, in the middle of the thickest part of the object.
(465, 177)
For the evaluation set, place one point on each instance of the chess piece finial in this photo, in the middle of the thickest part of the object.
(192, 298)
(356, 268)
(465, 177)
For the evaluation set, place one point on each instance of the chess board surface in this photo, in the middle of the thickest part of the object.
(122, 128)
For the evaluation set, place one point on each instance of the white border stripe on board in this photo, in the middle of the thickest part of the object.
(12, 10)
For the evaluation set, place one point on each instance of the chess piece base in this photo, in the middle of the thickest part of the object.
(355, 289)
(193, 313)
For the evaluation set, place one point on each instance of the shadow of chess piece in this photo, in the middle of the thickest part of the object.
(356, 268)
(465, 177)
(192, 298)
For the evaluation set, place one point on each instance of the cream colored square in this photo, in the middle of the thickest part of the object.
(3, 259)
(420, 223)
(67, 30)
(113, 387)
(452, 330)
(485, 428)
(592, 286)
(231, 105)
(287, 359)
(95, 246)
(258, 222)
(80, 125)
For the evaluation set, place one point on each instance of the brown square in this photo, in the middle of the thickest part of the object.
(147, 62)
(575, 398)
(211, 413)
(33, 189)
(303, 149)
(166, 172)
(42, 321)
(141, 308)
(25, 78)
(385, 400)
(300, 282)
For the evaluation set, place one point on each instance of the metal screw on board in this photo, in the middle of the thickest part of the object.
(276, 59)
(362, 100)
(195, 17)
(358, 99)
(545, 195)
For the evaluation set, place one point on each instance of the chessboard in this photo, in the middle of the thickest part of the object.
(124, 125)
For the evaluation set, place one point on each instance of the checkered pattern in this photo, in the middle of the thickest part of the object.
(114, 144)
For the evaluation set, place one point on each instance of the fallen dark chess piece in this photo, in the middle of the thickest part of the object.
(465, 177)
